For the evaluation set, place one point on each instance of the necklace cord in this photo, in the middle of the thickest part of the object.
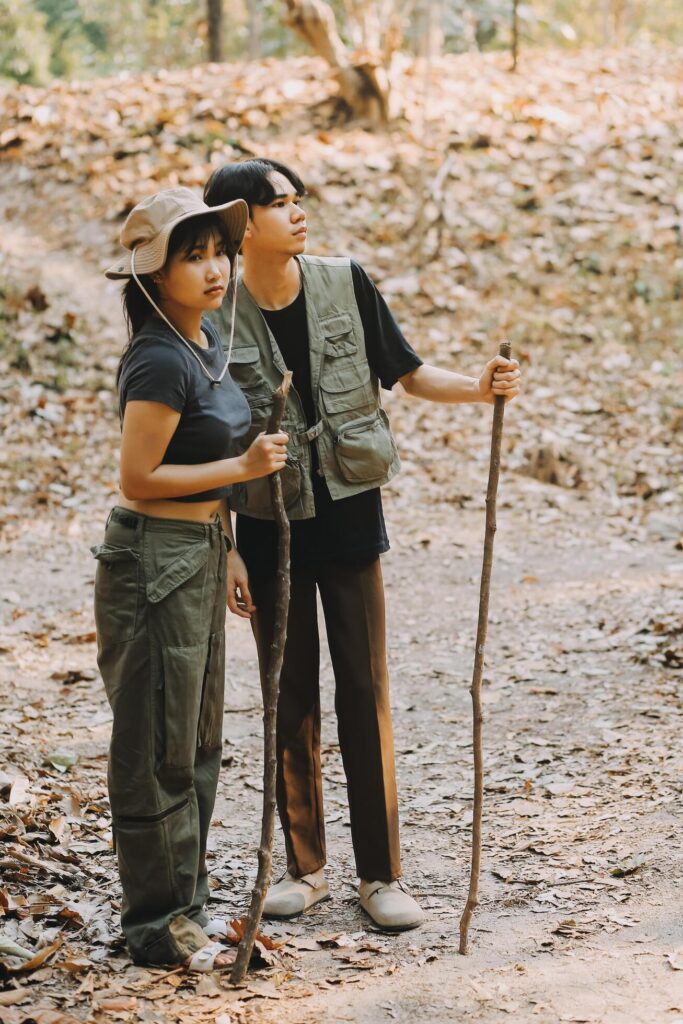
(231, 286)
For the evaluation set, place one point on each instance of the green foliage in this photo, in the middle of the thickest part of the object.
(40, 39)
(24, 42)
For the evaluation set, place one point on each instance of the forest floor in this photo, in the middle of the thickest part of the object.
(556, 223)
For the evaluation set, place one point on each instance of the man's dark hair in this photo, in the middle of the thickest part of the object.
(248, 180)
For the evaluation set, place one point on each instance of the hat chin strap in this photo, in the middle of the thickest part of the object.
(232, 285)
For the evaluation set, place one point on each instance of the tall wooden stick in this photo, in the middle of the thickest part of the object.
(475, 690)
(271, 691)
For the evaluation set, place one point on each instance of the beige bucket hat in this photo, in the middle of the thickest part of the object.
(148, 228)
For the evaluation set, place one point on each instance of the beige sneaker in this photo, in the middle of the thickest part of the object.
(292, 896)
(390, 905)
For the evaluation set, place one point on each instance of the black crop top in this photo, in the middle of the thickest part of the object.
(213, 420)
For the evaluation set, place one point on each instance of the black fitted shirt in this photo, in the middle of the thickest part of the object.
(349, 529)
(213, 419)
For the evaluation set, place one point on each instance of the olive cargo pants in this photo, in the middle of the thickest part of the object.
(160, 605)
(353, 604)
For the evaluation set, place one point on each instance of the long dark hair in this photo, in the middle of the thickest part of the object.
(248, 180)
(196, 231)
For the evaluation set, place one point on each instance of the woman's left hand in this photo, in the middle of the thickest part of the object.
(500, 377)
(239, 597)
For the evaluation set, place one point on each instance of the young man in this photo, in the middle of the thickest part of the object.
(324, 319)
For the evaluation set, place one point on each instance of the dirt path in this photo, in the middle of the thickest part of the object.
(582, 770)
(580, 917)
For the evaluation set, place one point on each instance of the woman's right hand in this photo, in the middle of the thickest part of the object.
(266, 454)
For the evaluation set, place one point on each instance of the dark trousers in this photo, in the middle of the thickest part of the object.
(160, 602)
(353, 604)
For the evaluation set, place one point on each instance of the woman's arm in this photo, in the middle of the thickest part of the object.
(500, 377)
(147, 430)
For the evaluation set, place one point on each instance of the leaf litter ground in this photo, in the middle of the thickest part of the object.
(553, 217)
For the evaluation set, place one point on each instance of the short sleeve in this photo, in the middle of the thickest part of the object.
(389, 353)
(155, 371)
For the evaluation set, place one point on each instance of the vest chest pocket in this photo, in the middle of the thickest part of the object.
(244, 367)
(345, 376)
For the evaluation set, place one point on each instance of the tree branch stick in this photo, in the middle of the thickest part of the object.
(63, 871)
(270, 698)
(475, 689)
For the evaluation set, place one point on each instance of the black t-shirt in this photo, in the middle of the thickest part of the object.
(349, 529)
(213, 420)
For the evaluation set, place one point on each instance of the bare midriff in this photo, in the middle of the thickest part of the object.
(194, 511)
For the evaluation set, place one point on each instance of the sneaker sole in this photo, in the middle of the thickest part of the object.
(298, 913)
(392, 928)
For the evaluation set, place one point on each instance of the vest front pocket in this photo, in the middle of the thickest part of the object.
(117, 583)
(256, 493)
(244, 366)
(364, 448)
(344, 370)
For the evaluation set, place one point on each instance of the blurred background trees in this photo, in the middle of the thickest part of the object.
(43, 39)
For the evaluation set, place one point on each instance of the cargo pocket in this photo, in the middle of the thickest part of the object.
(157, 863)
(364, 448)
(117, 585)
(213, 696)
(177, 572)
(184, 670)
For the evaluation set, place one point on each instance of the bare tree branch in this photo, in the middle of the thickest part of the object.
(271, 692)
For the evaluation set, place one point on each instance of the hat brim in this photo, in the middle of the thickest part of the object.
(151, 256)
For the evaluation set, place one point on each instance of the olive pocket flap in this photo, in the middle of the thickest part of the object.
(107, 554)
(335, 326)
(184, 672)
(364, 449)
(179, 571)
(244, 366)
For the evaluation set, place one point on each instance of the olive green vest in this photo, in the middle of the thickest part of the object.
(356, 450)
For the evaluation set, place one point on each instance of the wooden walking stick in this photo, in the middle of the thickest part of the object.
(270, 696)
(475, 690)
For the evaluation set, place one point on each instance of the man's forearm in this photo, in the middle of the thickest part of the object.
(437, 385)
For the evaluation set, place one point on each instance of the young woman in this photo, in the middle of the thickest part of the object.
(160, 588)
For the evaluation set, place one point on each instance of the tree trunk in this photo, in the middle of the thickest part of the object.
(363, 82)
(255, 28)
(515, 34)
(215, 29)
